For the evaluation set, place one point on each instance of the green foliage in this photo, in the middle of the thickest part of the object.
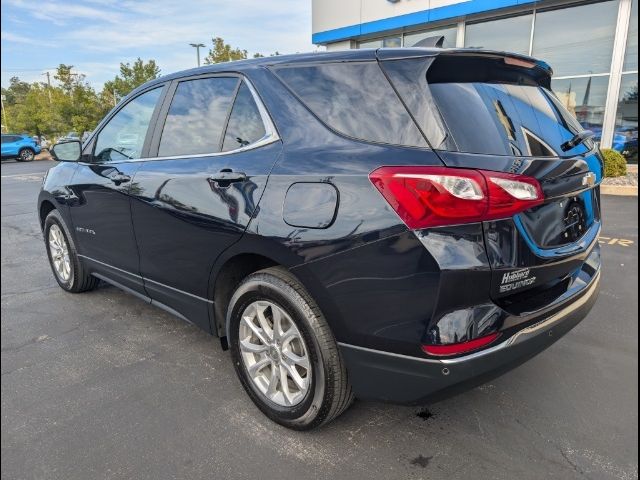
(615, 164)
(131, 77)
(70, 104)
(223, 52)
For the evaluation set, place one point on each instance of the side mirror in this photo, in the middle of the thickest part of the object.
(67, 151)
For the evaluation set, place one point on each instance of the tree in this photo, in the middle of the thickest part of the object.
(130, 77)
(16, 91)
(223, 52)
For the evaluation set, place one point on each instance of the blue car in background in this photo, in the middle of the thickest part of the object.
(21, 147)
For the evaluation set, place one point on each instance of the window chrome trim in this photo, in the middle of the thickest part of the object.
(271, 133)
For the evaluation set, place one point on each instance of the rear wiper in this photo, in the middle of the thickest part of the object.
(577, 139)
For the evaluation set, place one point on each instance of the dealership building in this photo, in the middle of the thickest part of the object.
(591, 46)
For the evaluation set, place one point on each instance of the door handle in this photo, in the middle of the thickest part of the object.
(226, 177)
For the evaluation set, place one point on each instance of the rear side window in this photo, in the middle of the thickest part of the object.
(354, 99)
(245, 123)
(197, 116)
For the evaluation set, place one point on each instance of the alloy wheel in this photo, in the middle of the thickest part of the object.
(274, 353)
(59, 253)
(26, 155)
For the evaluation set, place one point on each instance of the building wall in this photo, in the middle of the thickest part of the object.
(592, 46)
(335, 20)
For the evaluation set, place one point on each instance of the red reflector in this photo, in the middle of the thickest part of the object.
(436, 196)
(463, 347)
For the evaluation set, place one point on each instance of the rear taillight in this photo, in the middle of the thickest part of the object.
(462, 347)
(436, 196)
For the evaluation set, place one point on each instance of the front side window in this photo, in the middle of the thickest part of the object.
(197, 116)
(245, 123)
(122, 138)
(354, 99)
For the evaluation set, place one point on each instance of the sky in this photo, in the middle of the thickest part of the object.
(96, 35)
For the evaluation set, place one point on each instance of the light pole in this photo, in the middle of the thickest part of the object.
(197, 46)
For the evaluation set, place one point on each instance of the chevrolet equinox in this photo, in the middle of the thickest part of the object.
(392, 224)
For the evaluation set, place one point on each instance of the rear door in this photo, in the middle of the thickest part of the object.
(492, 112)
(214, 147)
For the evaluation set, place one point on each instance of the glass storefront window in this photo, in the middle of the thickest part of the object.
(625, 138)
(585, 98)
(449, 33)
(506, 34)
(386, 42)
(577, 40)
(631, 52)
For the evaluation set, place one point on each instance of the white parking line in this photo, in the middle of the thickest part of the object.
(25, 176)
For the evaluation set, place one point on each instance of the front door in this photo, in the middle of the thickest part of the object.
(215, 149)
(100, 206)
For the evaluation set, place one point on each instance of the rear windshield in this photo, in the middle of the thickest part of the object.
(355, 99)
(497, 113)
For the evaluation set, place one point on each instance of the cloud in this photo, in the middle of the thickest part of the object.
(15, 38)
(96, 35)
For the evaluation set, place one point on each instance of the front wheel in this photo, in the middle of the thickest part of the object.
(66, 266)
(26, 155)
(284, 352)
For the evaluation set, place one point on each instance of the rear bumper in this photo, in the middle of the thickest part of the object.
(379, 375)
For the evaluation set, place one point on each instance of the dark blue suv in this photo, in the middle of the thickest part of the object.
(21, 147)
(387, 224)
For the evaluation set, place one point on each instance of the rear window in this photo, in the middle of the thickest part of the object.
(245, 123)
(496, 111)
(197, 116)
(354, 99)
(503, 119)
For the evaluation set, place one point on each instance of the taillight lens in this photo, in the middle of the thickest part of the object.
(462, 347)
(436, 196)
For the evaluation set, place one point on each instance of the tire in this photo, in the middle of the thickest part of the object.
(327, 392)
(55, 232)
(26, 155)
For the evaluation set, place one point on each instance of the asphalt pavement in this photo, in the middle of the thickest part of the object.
(101, 385)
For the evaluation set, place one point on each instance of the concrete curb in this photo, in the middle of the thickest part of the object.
(623, 190)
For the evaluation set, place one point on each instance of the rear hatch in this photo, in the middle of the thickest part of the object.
(496, 112)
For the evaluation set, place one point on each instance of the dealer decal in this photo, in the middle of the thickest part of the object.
(516, 279)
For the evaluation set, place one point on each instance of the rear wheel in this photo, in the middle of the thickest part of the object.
(63, 256)
(284, 352)
(26, 155)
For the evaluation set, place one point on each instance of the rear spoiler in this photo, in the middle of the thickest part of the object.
(473, 65)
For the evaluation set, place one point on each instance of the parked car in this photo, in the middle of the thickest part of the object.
(19, 146)
(71, 136)
(42, 141)
(398, 225)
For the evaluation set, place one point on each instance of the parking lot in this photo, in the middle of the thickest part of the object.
(102, 385)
